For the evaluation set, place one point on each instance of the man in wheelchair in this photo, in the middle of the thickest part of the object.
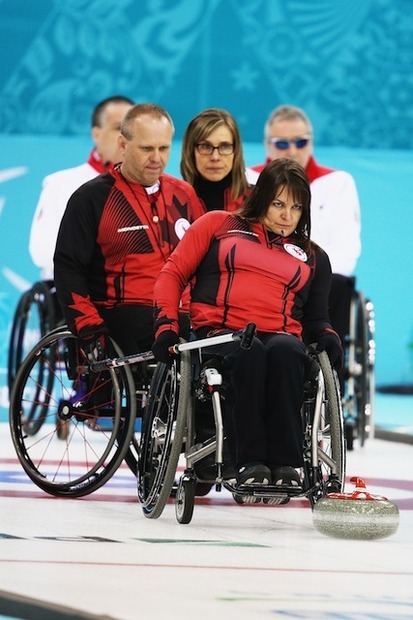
(258, 264)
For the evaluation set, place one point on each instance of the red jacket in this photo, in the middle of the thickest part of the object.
(113, 241)
(240, 273)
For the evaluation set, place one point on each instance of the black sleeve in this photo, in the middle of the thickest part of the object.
(315, 312)
(75, 259)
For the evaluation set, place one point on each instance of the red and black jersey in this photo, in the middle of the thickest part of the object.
(113, 241)
(239, 273)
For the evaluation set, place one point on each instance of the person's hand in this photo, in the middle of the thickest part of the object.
(330, 342)
(97, 348)
(163, 342)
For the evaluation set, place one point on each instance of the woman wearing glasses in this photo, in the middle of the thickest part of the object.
(335, 209)
(213, 162)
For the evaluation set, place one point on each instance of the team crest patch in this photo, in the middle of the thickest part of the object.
(295, 251)
(181, 226)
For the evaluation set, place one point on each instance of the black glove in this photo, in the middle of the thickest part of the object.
(163, 342)
(98, 347)
(330, 342)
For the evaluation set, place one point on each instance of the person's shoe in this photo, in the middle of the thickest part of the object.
(202, 489)
(255, 474)
(284, 475)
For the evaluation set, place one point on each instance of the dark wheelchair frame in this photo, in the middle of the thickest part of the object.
(169, 429)
(36, 314)
(359, 378)
(72, 427)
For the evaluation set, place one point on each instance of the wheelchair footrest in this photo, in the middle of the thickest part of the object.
(266, 490)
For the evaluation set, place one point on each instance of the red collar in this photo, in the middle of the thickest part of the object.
(313, 169)
(96, 162)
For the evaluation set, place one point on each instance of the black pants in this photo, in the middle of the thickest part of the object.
(131, 327)
(263, 406)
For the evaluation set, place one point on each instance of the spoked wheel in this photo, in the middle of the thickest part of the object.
(35, 316)
(328, 437)
(364, 363)
(70, 427)
(163, 433)
(142, 375)
(185, 498)
(360, 360)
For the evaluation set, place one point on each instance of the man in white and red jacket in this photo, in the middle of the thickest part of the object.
(335, 208)
(59, 186)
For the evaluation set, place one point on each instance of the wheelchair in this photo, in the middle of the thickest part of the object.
(359, 381)
(36, 314)
(169, 429)
(71, 424)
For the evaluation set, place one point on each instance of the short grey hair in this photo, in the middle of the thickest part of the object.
(287, 113)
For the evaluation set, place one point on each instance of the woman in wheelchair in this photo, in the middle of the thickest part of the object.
(257, 264)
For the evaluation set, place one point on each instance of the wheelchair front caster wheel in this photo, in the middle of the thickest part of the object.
(185, 497)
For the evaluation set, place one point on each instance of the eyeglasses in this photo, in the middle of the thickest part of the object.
(282, 144)
(206, 148)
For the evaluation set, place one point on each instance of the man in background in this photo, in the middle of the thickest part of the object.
(59, 186)
(335, 208)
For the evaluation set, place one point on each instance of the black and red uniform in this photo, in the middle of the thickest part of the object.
(336, 226)
(240, 272)
(113, 241)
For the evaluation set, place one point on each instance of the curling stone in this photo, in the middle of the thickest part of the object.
(357, 515)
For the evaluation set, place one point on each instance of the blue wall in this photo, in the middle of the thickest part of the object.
(348, 63)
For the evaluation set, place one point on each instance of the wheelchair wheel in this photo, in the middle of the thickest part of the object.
(54, 390)
(163, 434)
(35, 316)
(185, 498)
(142, 375)
(325, 457)
(359, 389)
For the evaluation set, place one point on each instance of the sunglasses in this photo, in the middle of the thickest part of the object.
(282, 144)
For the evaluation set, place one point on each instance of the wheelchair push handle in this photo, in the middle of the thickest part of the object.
(247, 336)
(244, 335)
(125, 360)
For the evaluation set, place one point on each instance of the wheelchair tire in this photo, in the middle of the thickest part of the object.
(163, 432)
(360, 360)
(364, 352)
(35, 315)
(330, 438)
(185, 499)
(142, 378)
(92, 413)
